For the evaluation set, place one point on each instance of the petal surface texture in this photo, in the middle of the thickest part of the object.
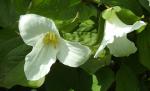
(73, 53)
(32, 26)
(39, 61)
(121, 46)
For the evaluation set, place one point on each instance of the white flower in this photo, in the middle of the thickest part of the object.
(42, 34)
(115, 37)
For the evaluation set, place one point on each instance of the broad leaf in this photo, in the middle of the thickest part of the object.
(64, 9)
(86, 34)
(12, 54)
(105, 78)
(133, 5)
(145, 4)
(8, 13)
(143, 42)
(126, 80)
(63, 78)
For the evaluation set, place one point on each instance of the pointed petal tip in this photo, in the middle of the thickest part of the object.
(95, 56)
(142, 22)
(138, 24)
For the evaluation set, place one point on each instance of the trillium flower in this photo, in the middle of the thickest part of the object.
(42, 34)
(115, 37)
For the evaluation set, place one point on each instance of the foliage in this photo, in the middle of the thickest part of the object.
(81, 21)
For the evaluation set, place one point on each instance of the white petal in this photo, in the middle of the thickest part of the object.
(31, 26)
(101, 48)
(114, 27)
(121, 46)
(108, 38)
(39, 61)
(137, 25)
(117, 28)
(72, 53)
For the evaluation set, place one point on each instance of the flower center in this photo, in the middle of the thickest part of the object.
(50, 38)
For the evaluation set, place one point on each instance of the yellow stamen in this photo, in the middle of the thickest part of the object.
(50, 38)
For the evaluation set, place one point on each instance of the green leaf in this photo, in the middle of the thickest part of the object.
(6, 34)
(133, 62)
(144, 85)
(133, 5)
(95, 85)
(145, 4)
(143, 43)
(16, 76)
(126, 80)
(8, 45)
(86, 34)
(64, 9)
(93, 64)
(12, 54)
(67, 14)
(126, 15)
(22, 6)
(108, 13)
(64, 78)
(105, 78)
(67, 26)
(8, 14)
